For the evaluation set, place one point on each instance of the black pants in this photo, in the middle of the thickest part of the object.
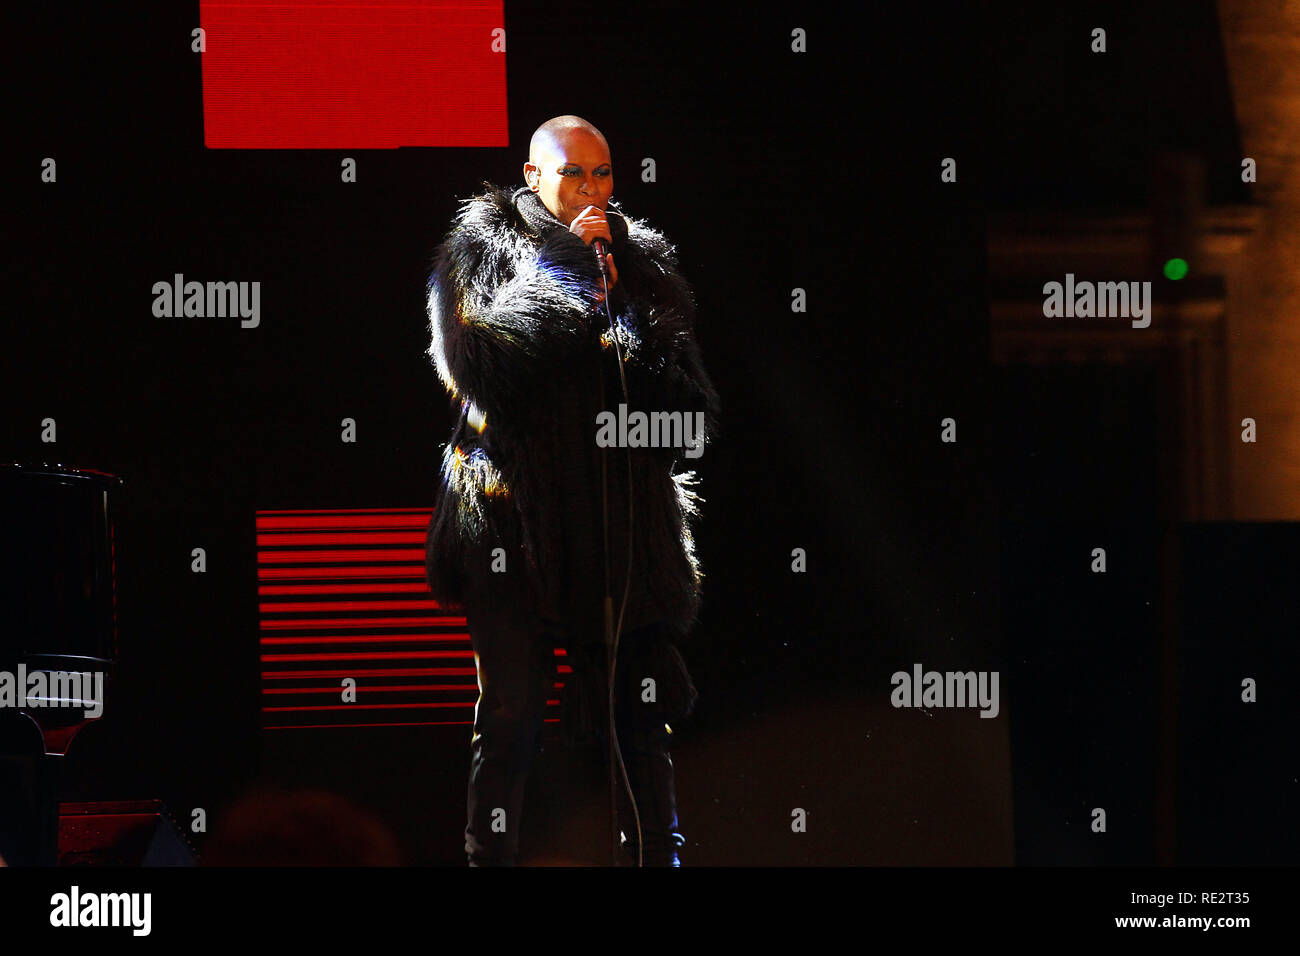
(514, 653)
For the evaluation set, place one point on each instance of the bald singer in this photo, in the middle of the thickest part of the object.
(532, 527)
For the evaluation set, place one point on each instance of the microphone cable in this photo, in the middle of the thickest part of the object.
(627, 583)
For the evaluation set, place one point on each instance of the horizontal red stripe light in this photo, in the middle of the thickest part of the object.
(313, 561)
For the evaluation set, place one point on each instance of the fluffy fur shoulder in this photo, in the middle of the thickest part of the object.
(667, 301)
(503, 310)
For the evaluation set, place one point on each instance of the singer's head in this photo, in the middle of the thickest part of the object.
(568, 167)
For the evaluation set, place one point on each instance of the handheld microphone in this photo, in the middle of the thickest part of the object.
(601, 247)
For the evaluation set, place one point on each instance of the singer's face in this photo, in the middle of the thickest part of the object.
(572, 173)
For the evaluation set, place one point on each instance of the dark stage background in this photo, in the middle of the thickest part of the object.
(775, 171)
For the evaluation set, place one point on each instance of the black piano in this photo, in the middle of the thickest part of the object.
(59, 636)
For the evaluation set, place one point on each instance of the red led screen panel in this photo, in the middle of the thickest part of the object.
(361, 74)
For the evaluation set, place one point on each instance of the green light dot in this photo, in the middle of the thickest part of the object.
(1175, 269)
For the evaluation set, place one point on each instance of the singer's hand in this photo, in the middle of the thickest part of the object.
(591, 224)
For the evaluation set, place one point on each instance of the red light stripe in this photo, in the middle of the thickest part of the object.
(387, 520)
(309, 574)
(312, 557)
(430, 705)
(368, 639)
(371, 689)
(389, 588)
(346, 511)
(394, 723)
(372, 672)
(292, 624)
(285, 607)
(367, 656)
(404, 723)
(278, 539)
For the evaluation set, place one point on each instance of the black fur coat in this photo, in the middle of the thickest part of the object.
(517, 340)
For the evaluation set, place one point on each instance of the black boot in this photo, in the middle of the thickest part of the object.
(650, 769)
